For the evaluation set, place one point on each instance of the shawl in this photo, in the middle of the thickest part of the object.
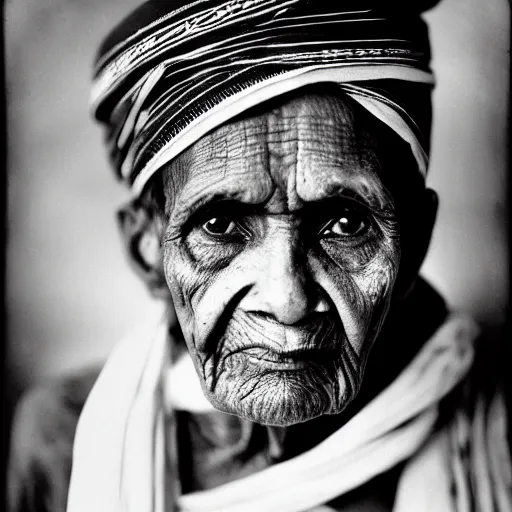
(124, 459)
(166, 76)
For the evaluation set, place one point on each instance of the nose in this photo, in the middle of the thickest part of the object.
(285, 289)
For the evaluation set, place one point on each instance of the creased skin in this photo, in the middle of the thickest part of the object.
(280, 313)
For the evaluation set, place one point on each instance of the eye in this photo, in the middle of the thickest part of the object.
(352, 222)
(221, 226)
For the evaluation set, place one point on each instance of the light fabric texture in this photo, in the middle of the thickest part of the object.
(119, 456)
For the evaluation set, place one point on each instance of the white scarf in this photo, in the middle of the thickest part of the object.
(120, 445)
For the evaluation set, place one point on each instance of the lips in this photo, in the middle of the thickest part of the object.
(288, 360)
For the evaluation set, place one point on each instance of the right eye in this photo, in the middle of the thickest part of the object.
(224, 227)
(351, 222)
(220, 226)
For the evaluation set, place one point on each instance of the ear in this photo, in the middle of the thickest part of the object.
(141, 232)
(416, 241)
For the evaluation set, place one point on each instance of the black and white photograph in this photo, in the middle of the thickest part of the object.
(257, 256)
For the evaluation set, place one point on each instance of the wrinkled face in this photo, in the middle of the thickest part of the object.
(281, 250)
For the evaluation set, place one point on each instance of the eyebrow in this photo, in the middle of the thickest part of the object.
(378, 201)
(219, 204)
(185, 215)
(368, 194)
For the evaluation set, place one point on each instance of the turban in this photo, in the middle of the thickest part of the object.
(175, 70)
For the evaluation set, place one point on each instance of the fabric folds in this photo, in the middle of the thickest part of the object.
(119, 462)
(175, 71)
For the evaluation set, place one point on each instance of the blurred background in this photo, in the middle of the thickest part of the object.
(70, 293)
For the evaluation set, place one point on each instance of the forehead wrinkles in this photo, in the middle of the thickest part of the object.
(229, 163)
(319, 146)
(305, 150)
(335, 149)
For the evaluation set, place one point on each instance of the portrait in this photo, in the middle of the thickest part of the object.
(257, 256)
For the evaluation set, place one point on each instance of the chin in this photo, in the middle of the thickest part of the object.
(282, 397)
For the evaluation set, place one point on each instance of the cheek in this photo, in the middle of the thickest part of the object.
(360, 283)
(183, 278)
(206, 283)
(375, 286)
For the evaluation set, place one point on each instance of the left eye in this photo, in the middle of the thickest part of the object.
(351, 223)
(218, 226)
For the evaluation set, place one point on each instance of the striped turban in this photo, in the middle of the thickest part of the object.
(175, 70)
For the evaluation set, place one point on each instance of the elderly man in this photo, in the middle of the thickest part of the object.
(277, 153)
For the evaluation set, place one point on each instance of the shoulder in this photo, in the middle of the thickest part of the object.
(41, 445)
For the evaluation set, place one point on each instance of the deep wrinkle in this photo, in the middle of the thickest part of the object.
(279, 280)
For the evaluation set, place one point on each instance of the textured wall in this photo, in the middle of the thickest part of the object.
(70, 292)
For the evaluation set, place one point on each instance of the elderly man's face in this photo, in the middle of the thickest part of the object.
(281, 251)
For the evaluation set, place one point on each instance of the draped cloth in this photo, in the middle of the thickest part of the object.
(120, 461)
(169, 74)
(175, 70)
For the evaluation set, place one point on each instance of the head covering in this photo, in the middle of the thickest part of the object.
(175, 70)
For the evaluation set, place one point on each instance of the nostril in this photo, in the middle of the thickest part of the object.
(290, 305)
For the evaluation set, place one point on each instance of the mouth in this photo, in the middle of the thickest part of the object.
(287, 361)
(267, 345)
